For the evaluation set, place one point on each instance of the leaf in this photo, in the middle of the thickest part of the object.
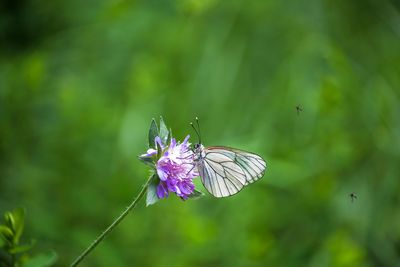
(6, 232)
(22, 248)
(196, 194)
(19, 218)
(8, 217)
(44, 259)
(5, 242)
(153, 132)
(164, 133)
(151, 197)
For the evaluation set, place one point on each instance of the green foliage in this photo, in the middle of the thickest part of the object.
(15, 220)
(164, 133)
(151, 195)
(153, 132)
(80, 81)
(12, 252)
(11, 231)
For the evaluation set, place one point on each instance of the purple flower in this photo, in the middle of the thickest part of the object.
(176, 169)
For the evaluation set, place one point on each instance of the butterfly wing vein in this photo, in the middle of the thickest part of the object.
(225, 171)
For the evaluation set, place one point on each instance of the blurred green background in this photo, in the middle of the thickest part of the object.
(81, 80)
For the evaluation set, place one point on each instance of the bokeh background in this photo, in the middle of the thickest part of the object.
(80, 82)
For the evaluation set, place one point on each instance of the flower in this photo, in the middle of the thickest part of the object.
(173, 163)
(175, 168)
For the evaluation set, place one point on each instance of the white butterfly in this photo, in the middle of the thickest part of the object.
(224, 171)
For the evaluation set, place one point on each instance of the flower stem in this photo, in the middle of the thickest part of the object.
(113, 225)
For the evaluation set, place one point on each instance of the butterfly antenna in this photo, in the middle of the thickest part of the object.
(194, 128)
(198, 127)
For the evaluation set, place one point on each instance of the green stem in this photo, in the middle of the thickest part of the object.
(113, 225)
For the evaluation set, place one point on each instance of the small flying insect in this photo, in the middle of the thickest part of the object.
(224, 171)
(299, 109)
(353, 196)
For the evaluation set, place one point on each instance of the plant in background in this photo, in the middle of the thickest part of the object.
(172, 170)
(12, 252)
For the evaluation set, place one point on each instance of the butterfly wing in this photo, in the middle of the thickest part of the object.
(225, 171)
(252, 164)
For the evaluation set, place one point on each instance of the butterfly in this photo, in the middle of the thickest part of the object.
(224, 171)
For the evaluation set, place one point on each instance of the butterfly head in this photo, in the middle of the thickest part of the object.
(198, 150)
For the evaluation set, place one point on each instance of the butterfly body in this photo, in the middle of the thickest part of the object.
(225, 171)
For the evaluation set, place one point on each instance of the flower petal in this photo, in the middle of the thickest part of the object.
(150, 152)
(162, 190)
(158, 142)
(173, 143)
(186, 139)
(161, 174)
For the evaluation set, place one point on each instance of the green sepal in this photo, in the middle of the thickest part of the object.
(169, 136)
(164, 133)
(196, 194)
(159, 152)
(153, 132)
(151, 196)
(150, 161)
